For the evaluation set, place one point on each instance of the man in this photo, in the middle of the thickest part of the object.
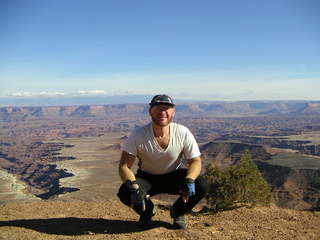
(160, 147)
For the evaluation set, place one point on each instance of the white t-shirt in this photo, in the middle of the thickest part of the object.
(156, 160)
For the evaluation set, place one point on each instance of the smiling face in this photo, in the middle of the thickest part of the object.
(162, 114)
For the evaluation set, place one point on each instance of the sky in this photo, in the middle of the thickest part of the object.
(206, 49)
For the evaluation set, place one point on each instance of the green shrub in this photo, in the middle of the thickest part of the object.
(239, 184)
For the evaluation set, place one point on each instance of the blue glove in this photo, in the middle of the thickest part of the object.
(188, 189)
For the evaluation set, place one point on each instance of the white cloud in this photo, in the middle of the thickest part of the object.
(92, 92)
(52, 94)
(36, 94)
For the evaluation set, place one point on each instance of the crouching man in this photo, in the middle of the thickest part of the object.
(160, 147)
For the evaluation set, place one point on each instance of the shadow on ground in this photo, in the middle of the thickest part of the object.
(80, 226)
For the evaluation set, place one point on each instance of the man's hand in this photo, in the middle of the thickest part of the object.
(188, 189)
(137, 195)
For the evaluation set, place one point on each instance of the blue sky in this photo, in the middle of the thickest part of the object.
(215, 50)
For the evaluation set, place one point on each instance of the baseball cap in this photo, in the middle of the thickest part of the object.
(161, 99)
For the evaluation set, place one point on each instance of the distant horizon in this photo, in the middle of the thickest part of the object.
(74, 100)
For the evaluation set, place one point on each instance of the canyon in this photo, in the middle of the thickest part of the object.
(72, 152)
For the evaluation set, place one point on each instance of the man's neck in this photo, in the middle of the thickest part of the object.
(161, 131)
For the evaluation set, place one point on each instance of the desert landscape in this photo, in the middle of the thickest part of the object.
(69, 155)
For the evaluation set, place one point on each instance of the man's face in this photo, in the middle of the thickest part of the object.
(162, 114)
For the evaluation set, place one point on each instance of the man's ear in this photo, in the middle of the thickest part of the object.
(174, 112)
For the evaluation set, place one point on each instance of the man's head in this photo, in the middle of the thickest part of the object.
(162, 110)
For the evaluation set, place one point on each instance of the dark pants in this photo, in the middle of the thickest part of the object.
(167, 183)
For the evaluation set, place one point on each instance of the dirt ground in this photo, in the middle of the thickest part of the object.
(53, 219)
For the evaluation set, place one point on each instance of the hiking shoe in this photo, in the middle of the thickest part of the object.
(179, 221)
(146, 220)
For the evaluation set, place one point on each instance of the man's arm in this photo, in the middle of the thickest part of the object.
(125, 165)
(194, 168)
(136, 195)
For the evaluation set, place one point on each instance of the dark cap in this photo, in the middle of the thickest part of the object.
(161, 99)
